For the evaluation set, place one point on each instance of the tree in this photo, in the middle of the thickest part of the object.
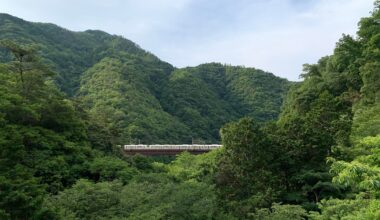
(110, 168)
(42, 139)
(245, 179)
(25, 60)
(88, 200)
(280, 212)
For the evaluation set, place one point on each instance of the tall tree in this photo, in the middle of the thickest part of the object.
(43, 141)
(245, 178)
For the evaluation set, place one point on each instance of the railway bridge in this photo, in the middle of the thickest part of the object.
(168, 149)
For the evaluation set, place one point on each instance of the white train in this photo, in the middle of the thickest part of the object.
(172, 147)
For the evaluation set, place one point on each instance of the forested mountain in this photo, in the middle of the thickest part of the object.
(59, 160)
(70, 53)
(142, 97)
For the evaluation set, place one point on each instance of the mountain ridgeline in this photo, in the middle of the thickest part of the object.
(130, 95)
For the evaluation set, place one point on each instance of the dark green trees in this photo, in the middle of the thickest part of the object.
(210, 95)
(121, 103)
(357, 167)
(246, 177)
(42, 138)
(145, 98)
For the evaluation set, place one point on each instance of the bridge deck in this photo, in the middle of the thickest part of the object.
(168, 149)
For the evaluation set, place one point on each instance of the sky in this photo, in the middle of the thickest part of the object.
(277, 36)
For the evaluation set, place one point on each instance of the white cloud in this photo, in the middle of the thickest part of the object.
(281, 44)
(274, 35)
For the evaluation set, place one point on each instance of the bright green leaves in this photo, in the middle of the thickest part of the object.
(363, 173)
(188, 167)
(362, 177)
(280, 212)
(348, 209)
(148, 196)
(357, 175)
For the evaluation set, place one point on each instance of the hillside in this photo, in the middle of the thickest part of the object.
(132, 95)
(319, 160)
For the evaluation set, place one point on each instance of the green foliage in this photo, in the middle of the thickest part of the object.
(21, 195)
(109, 168)
(120, 103)
(187, 167)
(359, 171)
(157, 197)
(122, 94)
(347, 209)
(43, 144)
(141, 162)
(198, 106)
(86, 200)
(366, 122)
(316, 123)
(149, 196)
(246, 179)
(280, 212)
(125, 105)
(70, 53)
(363, 173)
(129, 95)
(208, 96)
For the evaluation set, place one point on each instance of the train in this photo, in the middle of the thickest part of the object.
(172, 147)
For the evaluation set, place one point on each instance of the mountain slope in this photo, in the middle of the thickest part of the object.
(132, 95)
(70, 53)
(207, 96)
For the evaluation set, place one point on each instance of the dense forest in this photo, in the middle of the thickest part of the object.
(134, 96)
(307, 150)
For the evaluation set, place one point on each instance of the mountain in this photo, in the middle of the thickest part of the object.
(70, 53)
(131, 95)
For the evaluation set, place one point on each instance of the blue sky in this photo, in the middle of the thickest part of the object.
(274, 35)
